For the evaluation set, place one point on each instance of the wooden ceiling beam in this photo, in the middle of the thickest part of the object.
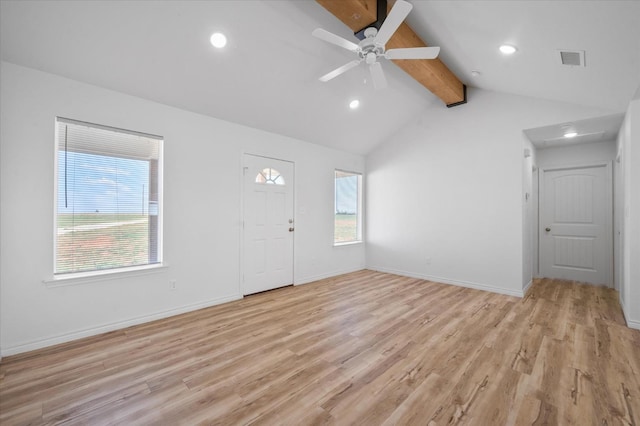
(431, 73)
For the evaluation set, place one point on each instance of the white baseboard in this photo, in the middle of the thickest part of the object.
(633, 324)
(68, 337)
(312, 278)
(526, 288)
(459, 283)
(630, 323)
(625, 311)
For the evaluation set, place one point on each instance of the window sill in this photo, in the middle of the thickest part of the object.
(348, 243)
(95, 276)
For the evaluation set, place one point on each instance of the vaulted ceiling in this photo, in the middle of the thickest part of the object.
(267, 75)
(433, 74)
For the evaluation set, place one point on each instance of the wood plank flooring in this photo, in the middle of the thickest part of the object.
(364, 348)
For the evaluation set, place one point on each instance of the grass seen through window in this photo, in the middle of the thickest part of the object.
(346, 228)
(88, 242)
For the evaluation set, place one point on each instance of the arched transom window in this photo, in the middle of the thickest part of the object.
(269, 176)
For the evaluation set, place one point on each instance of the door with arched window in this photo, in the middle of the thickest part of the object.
(268, 224)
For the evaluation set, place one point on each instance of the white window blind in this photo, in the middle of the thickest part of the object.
(348, 201)
(107, 196)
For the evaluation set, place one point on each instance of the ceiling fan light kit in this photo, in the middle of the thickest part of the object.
(372, 45)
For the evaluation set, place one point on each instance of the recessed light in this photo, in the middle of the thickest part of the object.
(354, 104)
(218, 40)
(508, 49)
(475, 73)
(570, 135)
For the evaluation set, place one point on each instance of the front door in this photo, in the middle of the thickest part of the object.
(268, 224)
(575, 222)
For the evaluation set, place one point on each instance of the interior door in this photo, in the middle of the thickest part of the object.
(268, 224)
(575, 221)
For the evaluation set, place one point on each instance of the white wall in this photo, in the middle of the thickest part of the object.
(535, 222)
(450, 188)
(633, 232)
(202, 192)
(577, 154)
(629, 148)
(528, 213)
(618, 217)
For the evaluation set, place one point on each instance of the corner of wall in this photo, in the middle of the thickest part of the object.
(459, 283)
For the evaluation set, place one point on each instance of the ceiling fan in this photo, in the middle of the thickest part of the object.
(372, 45)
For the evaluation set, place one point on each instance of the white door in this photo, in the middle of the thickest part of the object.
(575, 222)
(268, 224)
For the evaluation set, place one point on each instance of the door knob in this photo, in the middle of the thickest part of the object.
(291, 229)
(547, 229)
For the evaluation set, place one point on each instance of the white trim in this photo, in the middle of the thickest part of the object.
(576, 165)
(623, 304)
(633, 324)
(348, 243)
(111, 274)
(109, 128)
(625, 312)
(313, 278)
(459, 283)
(68, 337)
(526, 288)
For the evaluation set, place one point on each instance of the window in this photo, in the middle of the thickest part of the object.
(348, 201)
(108, 185)
(269, 176)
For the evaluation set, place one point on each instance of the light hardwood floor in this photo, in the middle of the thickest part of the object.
(364, 348)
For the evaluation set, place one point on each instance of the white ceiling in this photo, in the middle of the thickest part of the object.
(266, 77)
(599, 129)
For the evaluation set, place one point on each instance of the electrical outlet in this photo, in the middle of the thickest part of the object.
(172, 284)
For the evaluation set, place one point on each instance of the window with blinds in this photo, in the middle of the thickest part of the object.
(107, 198)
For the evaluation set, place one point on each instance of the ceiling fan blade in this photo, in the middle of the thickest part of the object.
(377, 75)
(413, 53)
(338, 71)
(334, 39)
(397, 15)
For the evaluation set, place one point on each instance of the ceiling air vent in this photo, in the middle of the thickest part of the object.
(573, 58)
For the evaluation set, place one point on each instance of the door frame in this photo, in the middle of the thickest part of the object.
(242, 211)
(609, 200)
